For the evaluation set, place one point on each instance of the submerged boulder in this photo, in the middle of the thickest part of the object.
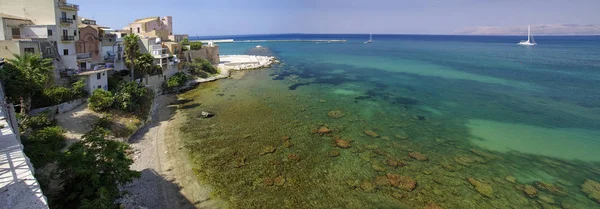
(402, 182)
(267, 150)
(550, 188)
(342, 143)
(323, 130)
(591, 189)
(481, 187)
(418, 156)
(371, 133)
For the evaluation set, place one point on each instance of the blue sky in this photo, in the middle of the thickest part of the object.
(231, 17)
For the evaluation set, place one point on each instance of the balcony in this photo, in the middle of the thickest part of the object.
(67, 38)
(65, 5)
(64, 20)
(84, 56)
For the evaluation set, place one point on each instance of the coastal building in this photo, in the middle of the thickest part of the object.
(49, 24)
(18, 186)
(96, 78)
(152, 27)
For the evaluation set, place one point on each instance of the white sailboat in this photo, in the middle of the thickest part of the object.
(370, 39)
(530, 41)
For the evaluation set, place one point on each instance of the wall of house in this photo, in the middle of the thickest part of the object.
(167, 23)
(37, 31)
(92, 82)
(89, 43)
(207, 52)
(8, 24)
(8, 48)
(41, 12)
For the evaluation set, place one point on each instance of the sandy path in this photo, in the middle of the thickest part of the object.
(167, 178)
(77, 122)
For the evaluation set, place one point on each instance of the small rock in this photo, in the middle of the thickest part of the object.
(239, 162)
(267, 150)
(395, 163)
(342, 143)
(417, 156)
(481, 187)
(591, 189)
(371, 133)
(401, 136)
(288, 144)
(402, 182)
(386, 138)
(335, 114)
(294, 157)
(511, 179)
(207, 114)
(323, 130)
(333, 153)
(268, 181)
(529, 190)
(367, 186)
(279, 181)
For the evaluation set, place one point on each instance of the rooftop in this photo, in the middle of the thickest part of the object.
(93, 71)
(147, 19)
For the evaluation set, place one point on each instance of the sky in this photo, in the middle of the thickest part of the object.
(239, 17)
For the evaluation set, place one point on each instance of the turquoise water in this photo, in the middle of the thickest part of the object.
(534, 113)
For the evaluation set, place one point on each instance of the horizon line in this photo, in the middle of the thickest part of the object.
(413, 34)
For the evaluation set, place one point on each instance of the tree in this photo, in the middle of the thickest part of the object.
(196, 45)
(185, 42)
(24, 75)
(145, 62)
(92, 169)
(132, 50)
(101, 100)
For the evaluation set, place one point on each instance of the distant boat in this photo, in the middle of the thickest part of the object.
(370, 39)
(530, 41)
(258, 46)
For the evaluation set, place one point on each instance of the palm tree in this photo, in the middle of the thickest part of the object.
(145, 62)
(26, 74)
(132, 50)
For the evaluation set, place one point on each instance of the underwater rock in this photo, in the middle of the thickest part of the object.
(267, 150)
(546, 199)
(417, 156)
(382, 181)
(342, 143)
(432, 205)
(395, 163)
(449, 167)
(333, 153)
(205, 114)
(402, 182)
(279, 181)
(288, 144)
(367, 186)
(401, 136)
(323, 130)
(467, 160)
(550, 188)
(378, 167)
(528, 190)
(591, 189)
(481, 187)
(371, 147)
(294, 157)
(239, 162)
(371, 133)
(335, 114)
(511, 179)
(387, 138)
(268, 181)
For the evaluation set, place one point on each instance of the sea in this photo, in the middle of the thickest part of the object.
(408, 121)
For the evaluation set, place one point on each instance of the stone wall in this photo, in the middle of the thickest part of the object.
(210, 53)
(60, 108)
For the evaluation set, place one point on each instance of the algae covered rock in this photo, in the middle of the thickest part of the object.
(367, 186)
(342, 143)
(333, 153)
(481, 187)
(294, 157)
(418, 156)
(323, 130)
(371, 133)
(279, 181)
(386, 138)
(550, 188)
(528, 190)
(267, 150)
(511, 179)
(335, 114)
(591, 189)
(402, 182)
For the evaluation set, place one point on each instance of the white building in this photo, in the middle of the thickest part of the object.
(50, 23)
(95, 79)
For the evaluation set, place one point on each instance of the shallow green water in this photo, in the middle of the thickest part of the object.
(483, 110)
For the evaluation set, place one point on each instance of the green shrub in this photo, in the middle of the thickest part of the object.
(114, 81)
(195, 45)
(58, 95)
(43, 146)
(78, 89)
(177, 80)
(199, 65)
(37, 122)
(101, 100)
(129, 96)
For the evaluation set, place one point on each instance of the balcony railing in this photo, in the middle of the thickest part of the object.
(67, 38)
(82, 56)
(66, 20)
(65, 5)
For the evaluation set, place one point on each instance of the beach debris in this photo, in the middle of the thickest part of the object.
(511, 179)
(268, 181)
(335, 114)
(550, 188)
(267, 150)
(481, 187)
(382, 181)
(367, 186)
(591, 189)
(386, 138)
(288, 144)
(402, 182)
(371, 133)
(529, 190)
(417, 156)
(395, 163)
(401, 136)
(206, 114)
(294, 157)
(333, 153)
(378, 167)
(279, 181)
(342, 143)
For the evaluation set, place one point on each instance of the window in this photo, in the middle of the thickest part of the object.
(16, 33)
(83, 65)
(98, 75)
(75, 33)
(63, 15)
(65, 52)
(49, 51)
(49, 32)
(29, 50)
(138, 30)
(99, 86)
(65, 33)
(74, 17)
